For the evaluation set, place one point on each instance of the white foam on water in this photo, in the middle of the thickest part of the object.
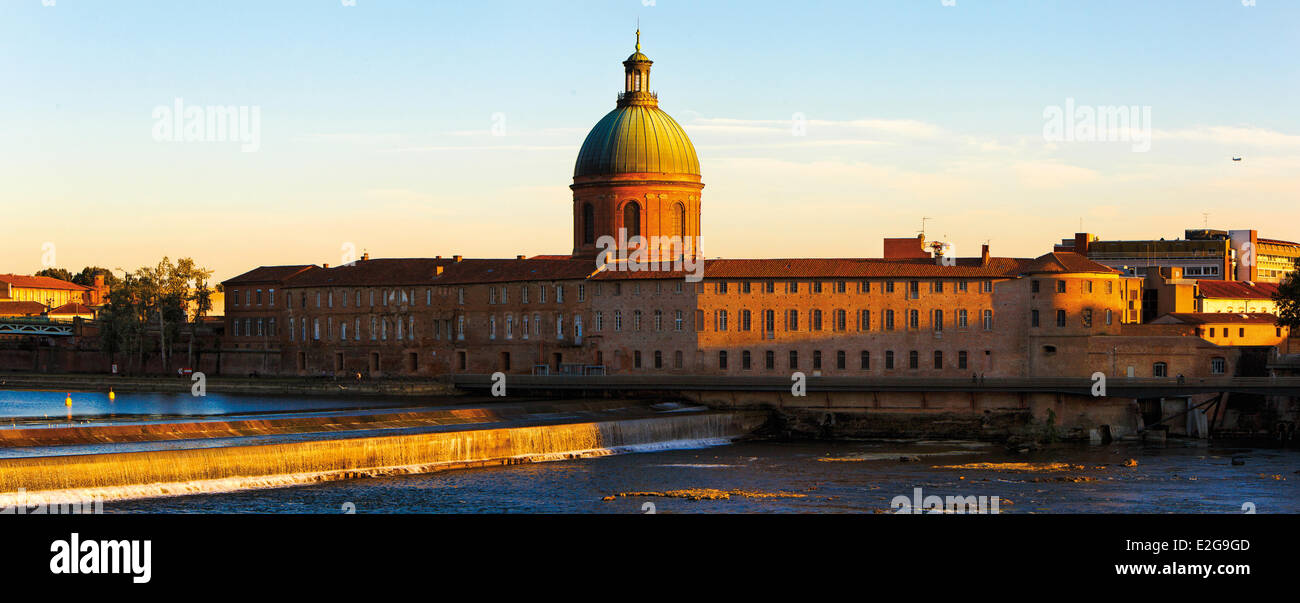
(231, 484)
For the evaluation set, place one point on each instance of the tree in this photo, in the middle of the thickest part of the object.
(86, 277)
(1288, 300)
(156, 297)
(58, 273)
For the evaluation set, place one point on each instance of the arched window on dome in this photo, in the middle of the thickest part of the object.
(632, 219)
(588, 224)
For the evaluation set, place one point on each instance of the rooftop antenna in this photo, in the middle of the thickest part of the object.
(923, 226)
(1206, 216)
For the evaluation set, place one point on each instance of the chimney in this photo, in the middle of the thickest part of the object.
(519, 257)
(1081, 241)
(984, 255)
(325, 266)
(456, 258)
(365, 256)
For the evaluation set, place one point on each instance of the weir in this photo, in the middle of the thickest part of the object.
(113, 476)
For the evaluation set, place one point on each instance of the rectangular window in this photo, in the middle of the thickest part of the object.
(794, 359)
(1060, 286)
(961, 359)
(889, 360)
(817, 360)
(722, 360)
(841, 360)
(1060, 318)
(864, 320)
(1033, 318)
(913, 360)
(745, 361)
(914, 289)
(938, 359)
(889, 320)
(817, 287)
(864, 360)
(769, 360)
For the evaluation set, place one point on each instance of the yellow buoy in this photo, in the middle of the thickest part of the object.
(68, 401)
(111, 396)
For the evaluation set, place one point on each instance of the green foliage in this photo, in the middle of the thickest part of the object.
(148, 309)
(58, 273)
(1288, 300)
(86, 277)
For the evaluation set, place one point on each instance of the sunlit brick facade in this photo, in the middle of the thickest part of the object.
(912, 313)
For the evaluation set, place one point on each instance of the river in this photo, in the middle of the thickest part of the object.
(808, 477)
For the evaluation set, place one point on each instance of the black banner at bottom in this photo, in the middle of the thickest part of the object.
(149, 552)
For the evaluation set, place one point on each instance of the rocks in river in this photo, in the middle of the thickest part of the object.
(909, 458)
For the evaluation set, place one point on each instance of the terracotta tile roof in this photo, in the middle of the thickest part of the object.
(505, 271)
(1066, 262)
(1201, 318)
(373, 272)
(1237, 289)
(40, 282)
(268, 274)
(21, 308)
(73, 308)
(425, 271)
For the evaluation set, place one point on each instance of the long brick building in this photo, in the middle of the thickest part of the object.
(611, 306)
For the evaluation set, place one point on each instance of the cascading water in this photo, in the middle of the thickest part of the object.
(113, 476)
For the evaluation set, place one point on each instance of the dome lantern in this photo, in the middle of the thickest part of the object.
(636, 79)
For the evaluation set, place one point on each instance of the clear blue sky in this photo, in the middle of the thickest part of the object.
(376, 123)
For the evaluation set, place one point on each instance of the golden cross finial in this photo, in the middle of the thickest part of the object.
(638, 35)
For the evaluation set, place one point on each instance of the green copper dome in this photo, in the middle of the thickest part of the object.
(636, 139)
